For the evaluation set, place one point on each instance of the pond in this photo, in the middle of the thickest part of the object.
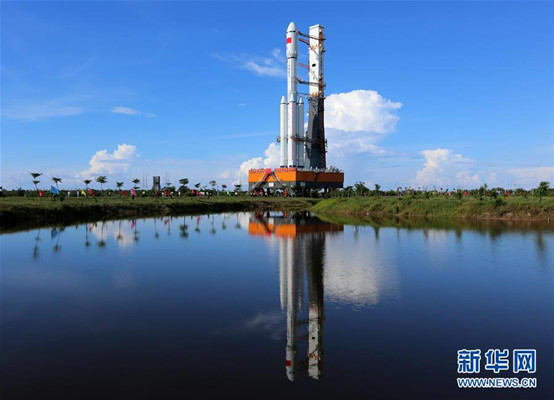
(273, 305)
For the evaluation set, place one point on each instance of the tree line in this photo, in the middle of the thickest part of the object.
(359, 189)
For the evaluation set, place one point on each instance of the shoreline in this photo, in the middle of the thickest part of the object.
(499, 209)
(32, 213)
(20, 213)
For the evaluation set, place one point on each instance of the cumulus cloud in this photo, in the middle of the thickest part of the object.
(118, 161)
(355, 121)
(263, 66)
(342, 144)
(443, 168)
(361, 111)
(371, 278)
(130, 111)
(271, 160)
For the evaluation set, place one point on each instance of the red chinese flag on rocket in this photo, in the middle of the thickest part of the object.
(289, 40)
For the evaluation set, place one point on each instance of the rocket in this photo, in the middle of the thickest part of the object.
(292, 108)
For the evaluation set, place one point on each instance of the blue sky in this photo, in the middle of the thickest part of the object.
(441, 94)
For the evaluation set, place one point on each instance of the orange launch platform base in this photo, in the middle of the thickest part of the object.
(293, 179)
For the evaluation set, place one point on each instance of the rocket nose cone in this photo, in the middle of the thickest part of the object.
(292, 27)
(283, 100)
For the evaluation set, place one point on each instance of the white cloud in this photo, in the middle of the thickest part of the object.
(124, 110)
(271, 160)
(110, 163)
(343, 144)
(130, 111)
(355, 121)
(361, 111)
(263, 66)
(224, 175)
(371, 278)
(445, 169)
(33, 112)
(531, 176)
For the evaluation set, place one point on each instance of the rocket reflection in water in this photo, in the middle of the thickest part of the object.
(301, 241)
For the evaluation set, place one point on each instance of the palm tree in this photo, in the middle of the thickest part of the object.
(86, 182)
(136, 181)
(213, 183)
(56, 181)
(184, 182)
(119, 186)
(101, 180)
(35, 175)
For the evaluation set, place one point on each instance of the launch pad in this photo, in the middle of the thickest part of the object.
(293, 179)
(303, 164)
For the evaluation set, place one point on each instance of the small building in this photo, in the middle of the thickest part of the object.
(156, 186)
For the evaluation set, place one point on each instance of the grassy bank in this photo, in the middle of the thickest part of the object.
(21, 212)
(440, 207)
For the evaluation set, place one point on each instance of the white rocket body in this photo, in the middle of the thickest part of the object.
(292, 116)
(292, 111)
(283, 133)
(300, 134)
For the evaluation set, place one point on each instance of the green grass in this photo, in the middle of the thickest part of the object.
(507, 207)
(26, 212)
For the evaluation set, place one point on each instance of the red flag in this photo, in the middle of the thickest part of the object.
(91, 193)
(124, 193)
(166, 192)
(40, 193)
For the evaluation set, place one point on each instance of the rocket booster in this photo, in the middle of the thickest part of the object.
(283, 133)
(300, 134)
(292, 112)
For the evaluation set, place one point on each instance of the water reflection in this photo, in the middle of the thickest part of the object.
(372, 296)
(56, 233)
(301, 239)
(35, 249)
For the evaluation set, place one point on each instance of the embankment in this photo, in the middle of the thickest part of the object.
(501, 208)
(24, 213)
